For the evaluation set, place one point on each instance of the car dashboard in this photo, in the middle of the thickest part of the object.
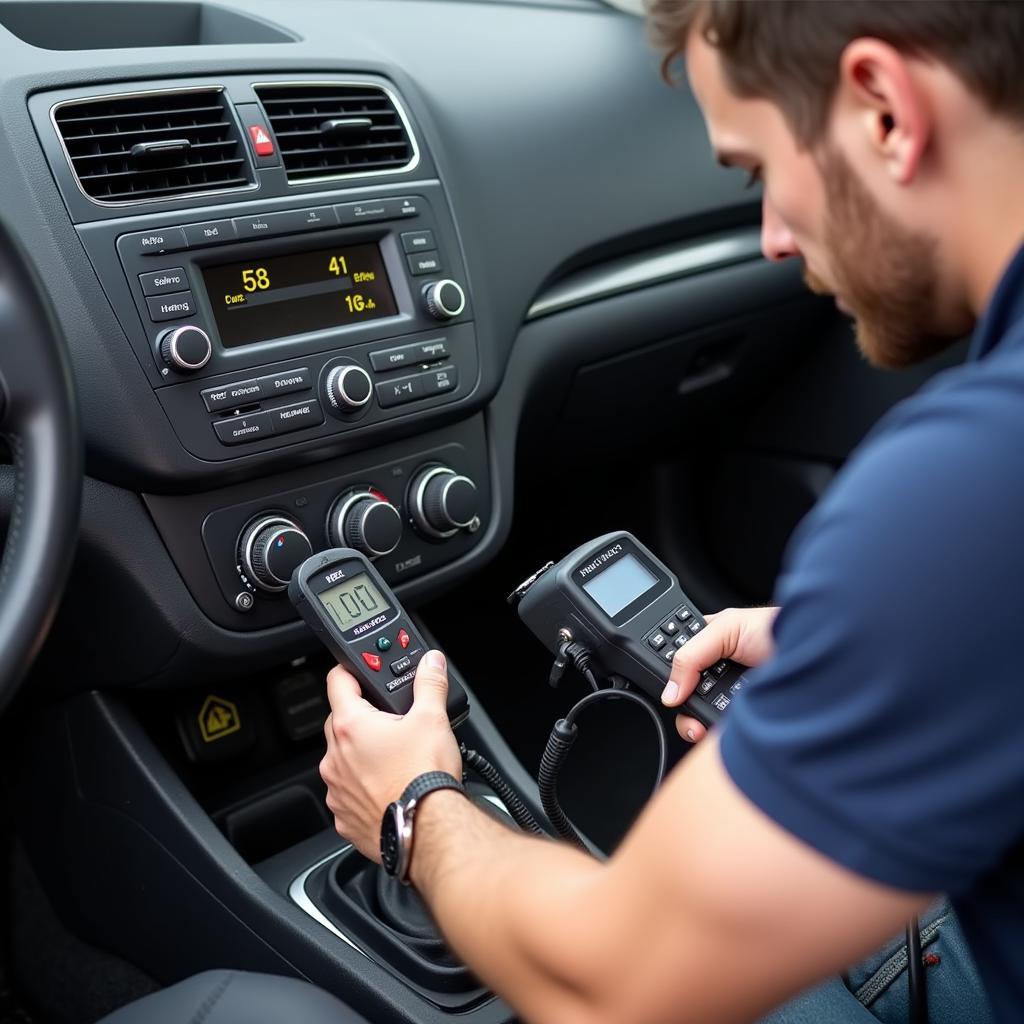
(443, 281)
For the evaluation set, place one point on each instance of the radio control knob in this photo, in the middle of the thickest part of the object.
(444, 299)
(185, 349)
(270, 549)
(365, 522)
(348, 388)
(442, 502)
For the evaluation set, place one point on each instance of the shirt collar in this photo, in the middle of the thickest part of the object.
(1005, 308)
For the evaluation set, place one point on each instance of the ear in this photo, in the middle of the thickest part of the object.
(876, 82)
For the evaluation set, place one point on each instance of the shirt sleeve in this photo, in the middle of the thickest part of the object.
(888, 730)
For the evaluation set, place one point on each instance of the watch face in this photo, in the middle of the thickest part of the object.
(389, 839)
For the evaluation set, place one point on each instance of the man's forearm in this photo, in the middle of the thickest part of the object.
(510, 905)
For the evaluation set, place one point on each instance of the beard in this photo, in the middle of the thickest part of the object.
(886, 275)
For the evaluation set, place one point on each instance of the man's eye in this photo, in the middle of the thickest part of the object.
(753, 178)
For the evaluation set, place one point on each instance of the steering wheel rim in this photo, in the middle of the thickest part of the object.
(39, 419)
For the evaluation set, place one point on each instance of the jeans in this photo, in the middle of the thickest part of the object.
(878, 987)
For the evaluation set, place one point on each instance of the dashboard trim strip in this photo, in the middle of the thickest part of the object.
(648, 268)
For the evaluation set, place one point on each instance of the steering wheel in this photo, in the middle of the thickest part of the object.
(39, 420)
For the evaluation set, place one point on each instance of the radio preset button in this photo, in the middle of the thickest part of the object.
(160, 282)
(230, 396)
(424, 263)
(286, 381)
(398, 392)
(437, 381)
(313, 218)
(418, 241)
(243, 429)
(154, 243)
(296, 417)
(171, 307)
(257, 225)
(408, 355)
(209, 232)
(244, 392)
(365, 213)
(376, 210)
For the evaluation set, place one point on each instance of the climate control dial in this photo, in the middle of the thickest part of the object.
(269, 550)
(365, 521)
(442, 502)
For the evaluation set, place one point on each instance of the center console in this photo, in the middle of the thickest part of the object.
(289, 292)
(286, 270)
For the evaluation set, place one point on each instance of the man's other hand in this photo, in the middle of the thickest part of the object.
(372, 755)
(743, 634)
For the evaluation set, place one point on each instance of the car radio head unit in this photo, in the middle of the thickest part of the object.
(258, 299)
(291, 324)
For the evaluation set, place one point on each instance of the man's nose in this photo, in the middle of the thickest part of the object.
(776, 239)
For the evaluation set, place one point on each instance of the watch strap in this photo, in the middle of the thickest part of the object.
(407, 804)
(427, 783)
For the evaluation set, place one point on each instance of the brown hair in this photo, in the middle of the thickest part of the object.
(788, 51)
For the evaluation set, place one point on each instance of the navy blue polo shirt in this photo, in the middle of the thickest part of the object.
(888, 730)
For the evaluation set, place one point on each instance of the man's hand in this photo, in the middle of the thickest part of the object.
(743, 634)
(372, 756)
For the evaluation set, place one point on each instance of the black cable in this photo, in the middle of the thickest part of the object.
(508, 796)
(917, 991)
(560, 742)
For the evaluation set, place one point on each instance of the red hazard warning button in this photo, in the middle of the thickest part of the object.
(373, 660)
(262, 143)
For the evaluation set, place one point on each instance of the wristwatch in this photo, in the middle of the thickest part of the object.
(396, 825)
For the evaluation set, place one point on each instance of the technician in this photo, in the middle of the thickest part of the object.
(876, 758)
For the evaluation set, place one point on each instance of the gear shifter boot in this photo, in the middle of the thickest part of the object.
(380, 913)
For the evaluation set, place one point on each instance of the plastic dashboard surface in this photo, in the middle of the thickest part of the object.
(542, 171)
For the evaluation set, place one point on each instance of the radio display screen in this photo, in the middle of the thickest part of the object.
(261, 299)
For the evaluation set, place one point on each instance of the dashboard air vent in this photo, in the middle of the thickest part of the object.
(334, 131)
(144, 146)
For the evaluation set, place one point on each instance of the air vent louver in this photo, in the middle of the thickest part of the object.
(333, 131)
(155, 145)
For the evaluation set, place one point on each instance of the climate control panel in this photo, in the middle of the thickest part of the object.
(411, 506)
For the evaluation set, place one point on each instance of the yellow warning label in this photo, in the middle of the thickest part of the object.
(217, 718)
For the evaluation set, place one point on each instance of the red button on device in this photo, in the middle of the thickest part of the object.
(261, 141)
(373, 660)
(403, 638)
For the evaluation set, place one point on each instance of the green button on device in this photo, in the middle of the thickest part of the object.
(383, 643)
